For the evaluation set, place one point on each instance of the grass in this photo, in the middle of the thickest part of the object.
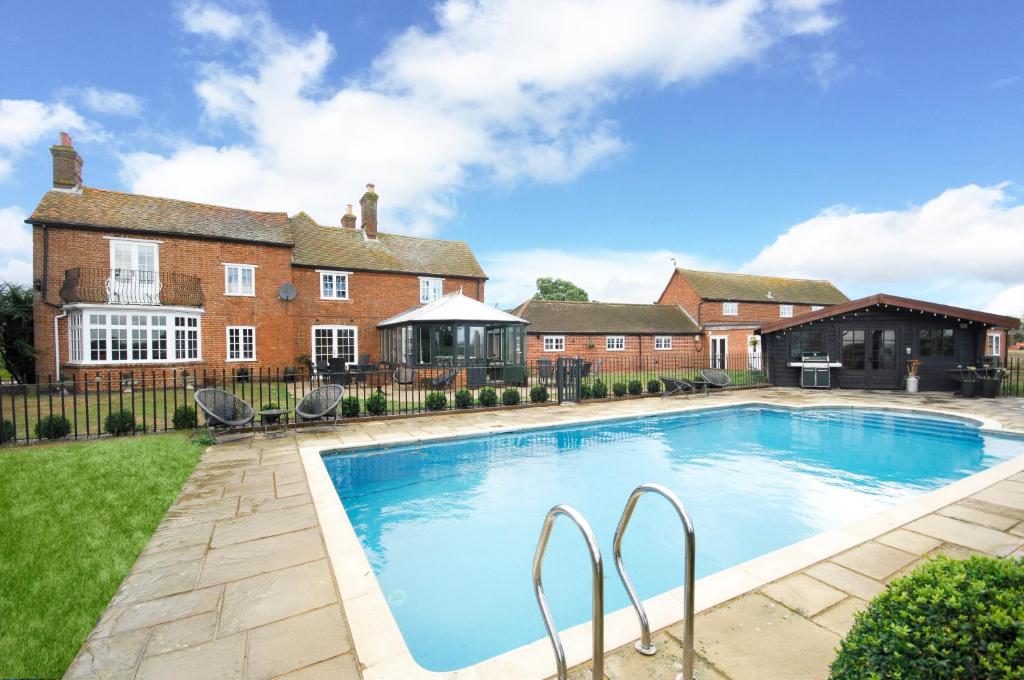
(75, 518)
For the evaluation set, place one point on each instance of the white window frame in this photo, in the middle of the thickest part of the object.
(817, 308)
(334, 341)
(135, 242)
(556, 344)
(335, 275)
(228, 266)
(431, 288)
(241, 343)
(665, 342)
(994, 341)
(785, 311)
(615, 343)
(730, 309)
(80, 326)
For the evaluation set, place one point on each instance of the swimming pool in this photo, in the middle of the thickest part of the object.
(449, 528)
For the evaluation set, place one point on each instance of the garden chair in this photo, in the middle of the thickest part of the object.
(674, 386)
(585, 369)
(320, 404)
(224, 410)
(445, 380)
(715, 377)
(403, 375)
(545, 370)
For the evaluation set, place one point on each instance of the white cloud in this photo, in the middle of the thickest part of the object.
(606, 275)
(964, 245)
(111, 101)
(15, 246)
(511, 90)
(1009, 302)
(24, 122)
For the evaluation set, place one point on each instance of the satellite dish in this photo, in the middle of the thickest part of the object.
(286, 292)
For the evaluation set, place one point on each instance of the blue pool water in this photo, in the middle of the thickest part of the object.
(450, 528)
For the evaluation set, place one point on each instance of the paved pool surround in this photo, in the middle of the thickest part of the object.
(255, 571)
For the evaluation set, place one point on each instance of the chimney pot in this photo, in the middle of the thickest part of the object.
(67, 165)
(348, 220)
(368, 208)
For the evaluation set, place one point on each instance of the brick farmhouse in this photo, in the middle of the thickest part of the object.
(730, 308)
(129, 280)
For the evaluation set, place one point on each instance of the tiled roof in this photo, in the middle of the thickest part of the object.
(546, 316)
(752, 288)
(320, 246)
(958, 313)
(117, 210)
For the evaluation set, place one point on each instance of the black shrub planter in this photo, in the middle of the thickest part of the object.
(969, 389)
(990, 387)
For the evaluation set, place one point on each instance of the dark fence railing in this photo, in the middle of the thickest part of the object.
(83, 402)
(1013, 379)
(130, 287)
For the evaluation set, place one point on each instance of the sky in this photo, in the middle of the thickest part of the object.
(876, 144)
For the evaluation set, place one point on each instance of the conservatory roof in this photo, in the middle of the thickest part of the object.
(452, 308)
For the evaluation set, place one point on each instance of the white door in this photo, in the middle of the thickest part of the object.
(719, 351)
(331, 342)
(754, 352)
(134, 273)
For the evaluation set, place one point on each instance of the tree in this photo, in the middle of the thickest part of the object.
(559, 289)
(17, 349)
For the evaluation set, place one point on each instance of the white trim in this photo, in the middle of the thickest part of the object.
(332, 271)
(998, 337)
(227, 344)
(138, 308)
(817, 308)
(227, 267)
(335, 275)
(786, 308)
(725, 354)
(439, 291)
(734, 306)
(662, 338)
(609, 338)
(544, 342)
(334, 348)
(137, 240)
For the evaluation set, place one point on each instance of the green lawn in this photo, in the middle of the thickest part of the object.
(74, 518)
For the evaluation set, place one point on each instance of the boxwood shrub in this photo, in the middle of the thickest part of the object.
(946, 619)
(619, 389)
(377, 404)
(463, 398)
(510, 397)
(488, 397)
(53, 427)
(350, 407)
(120, 423)
(599, 389)
(538, 394)
(636, 388)
(586, 391)
(6, 431)
(185, 418)
(436, 401)
(653, 387)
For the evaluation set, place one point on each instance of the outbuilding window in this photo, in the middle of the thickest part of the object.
(663, 342)
(785, 311)
(730, 308)
(935, 342)
(994, 345)
(615, 343)
(554, 343)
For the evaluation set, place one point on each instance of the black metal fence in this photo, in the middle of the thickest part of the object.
(88, 404)
(1013, 380)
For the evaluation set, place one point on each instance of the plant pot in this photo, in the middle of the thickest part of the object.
(271, 420)
(912, 381)
(990, 388)
(969, 389)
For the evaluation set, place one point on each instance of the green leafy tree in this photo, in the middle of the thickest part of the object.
(17, 350)
(559, 289)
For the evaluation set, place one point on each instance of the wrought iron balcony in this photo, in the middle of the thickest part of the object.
(130, 287)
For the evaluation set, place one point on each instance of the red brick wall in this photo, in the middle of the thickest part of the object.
(282, 328)
(579, 345)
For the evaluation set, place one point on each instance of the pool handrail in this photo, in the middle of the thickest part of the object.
(597, 594)
(644, 645)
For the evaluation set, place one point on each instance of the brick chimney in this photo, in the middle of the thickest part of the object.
(348, 220)
(368, 207)
(67, 165)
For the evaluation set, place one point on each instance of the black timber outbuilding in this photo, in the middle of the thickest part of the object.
(876, 337)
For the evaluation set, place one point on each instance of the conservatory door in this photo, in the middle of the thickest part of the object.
(330, 342)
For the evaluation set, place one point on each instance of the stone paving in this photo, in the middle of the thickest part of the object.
(235, 582)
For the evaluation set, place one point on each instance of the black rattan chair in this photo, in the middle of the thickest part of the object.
(321, 404)
(545, 370)
(715, 377)
(403, 375)
(224, 410)
(445, 380)
(674, 386)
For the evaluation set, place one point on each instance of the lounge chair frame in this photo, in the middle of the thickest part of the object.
(321, 403)
(224, 410)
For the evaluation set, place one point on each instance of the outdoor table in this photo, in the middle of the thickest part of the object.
(270, 413)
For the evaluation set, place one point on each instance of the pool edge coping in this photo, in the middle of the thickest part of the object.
(381, 647)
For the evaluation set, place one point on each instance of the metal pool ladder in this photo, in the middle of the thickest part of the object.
(644, 645)
(597, 596)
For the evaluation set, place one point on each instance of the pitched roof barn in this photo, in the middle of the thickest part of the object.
(549, 316)
(755, 288)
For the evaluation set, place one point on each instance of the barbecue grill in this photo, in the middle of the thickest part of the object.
(815, 369)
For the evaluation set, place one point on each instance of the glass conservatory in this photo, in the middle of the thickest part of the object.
(453, 330)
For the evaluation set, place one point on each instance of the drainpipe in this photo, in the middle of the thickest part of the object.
(56, 341)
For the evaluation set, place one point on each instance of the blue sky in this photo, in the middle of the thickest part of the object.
(876, 144)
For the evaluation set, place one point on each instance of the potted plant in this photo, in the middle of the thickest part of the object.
(990, 383)
(913, 366)
(271, 419)
(969, 383)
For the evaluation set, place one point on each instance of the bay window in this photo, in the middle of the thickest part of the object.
(131, 336)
